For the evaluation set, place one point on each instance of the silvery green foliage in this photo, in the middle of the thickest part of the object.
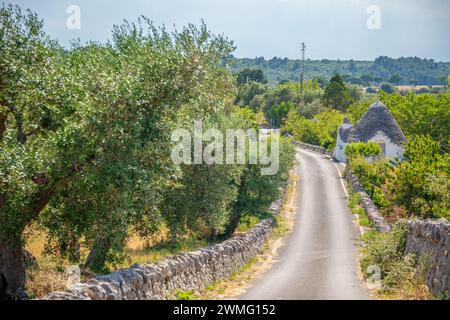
(85, 132)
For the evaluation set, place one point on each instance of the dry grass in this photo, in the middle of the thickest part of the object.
(50, 276)
(246, 226)
(415, 289)
(418, 87)
(154, 249)
(42, 281)
(394, 213)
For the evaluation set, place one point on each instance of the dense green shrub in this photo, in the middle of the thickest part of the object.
(385, 251)
(321, 130)
(257, 191)
(278, 113)
(387, 87)
(422, 181)
(201, 196)
(276, 101)
(247, 75)
(249, 93)
(365, 149)
(337, 95)
(372, 176)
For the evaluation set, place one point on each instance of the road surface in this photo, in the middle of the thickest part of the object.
(319, 260)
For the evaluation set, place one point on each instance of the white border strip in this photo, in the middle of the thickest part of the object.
(341, 179)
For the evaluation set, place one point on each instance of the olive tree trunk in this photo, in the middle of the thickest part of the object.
(233, 223)
(12, 269)
(98, 254)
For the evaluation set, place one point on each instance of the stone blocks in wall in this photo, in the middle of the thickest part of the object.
(369, 207)
(311, 147)
(430, 241)
(186, 271)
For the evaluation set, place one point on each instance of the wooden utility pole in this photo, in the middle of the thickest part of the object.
(302, 75)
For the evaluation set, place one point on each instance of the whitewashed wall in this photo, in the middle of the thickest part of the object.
(392, 150)
(338, 152)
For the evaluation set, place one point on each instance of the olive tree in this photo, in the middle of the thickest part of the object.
(84, 134)
(38, 153)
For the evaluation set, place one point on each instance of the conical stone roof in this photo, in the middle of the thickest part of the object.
(344, 130)
(377, 118)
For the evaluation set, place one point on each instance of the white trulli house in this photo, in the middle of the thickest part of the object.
(378, 125)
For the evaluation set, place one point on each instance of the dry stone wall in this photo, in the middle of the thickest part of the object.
(311, 147)
(429, 240)
(185, 271)
(369, 207)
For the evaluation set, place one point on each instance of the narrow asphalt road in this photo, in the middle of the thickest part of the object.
(319, 260)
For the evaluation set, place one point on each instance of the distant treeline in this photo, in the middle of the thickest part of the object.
(401, 71)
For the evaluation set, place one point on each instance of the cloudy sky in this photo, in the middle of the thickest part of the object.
(330, 28)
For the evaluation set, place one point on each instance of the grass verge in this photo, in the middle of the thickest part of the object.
(354, 203)
(388, 272)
